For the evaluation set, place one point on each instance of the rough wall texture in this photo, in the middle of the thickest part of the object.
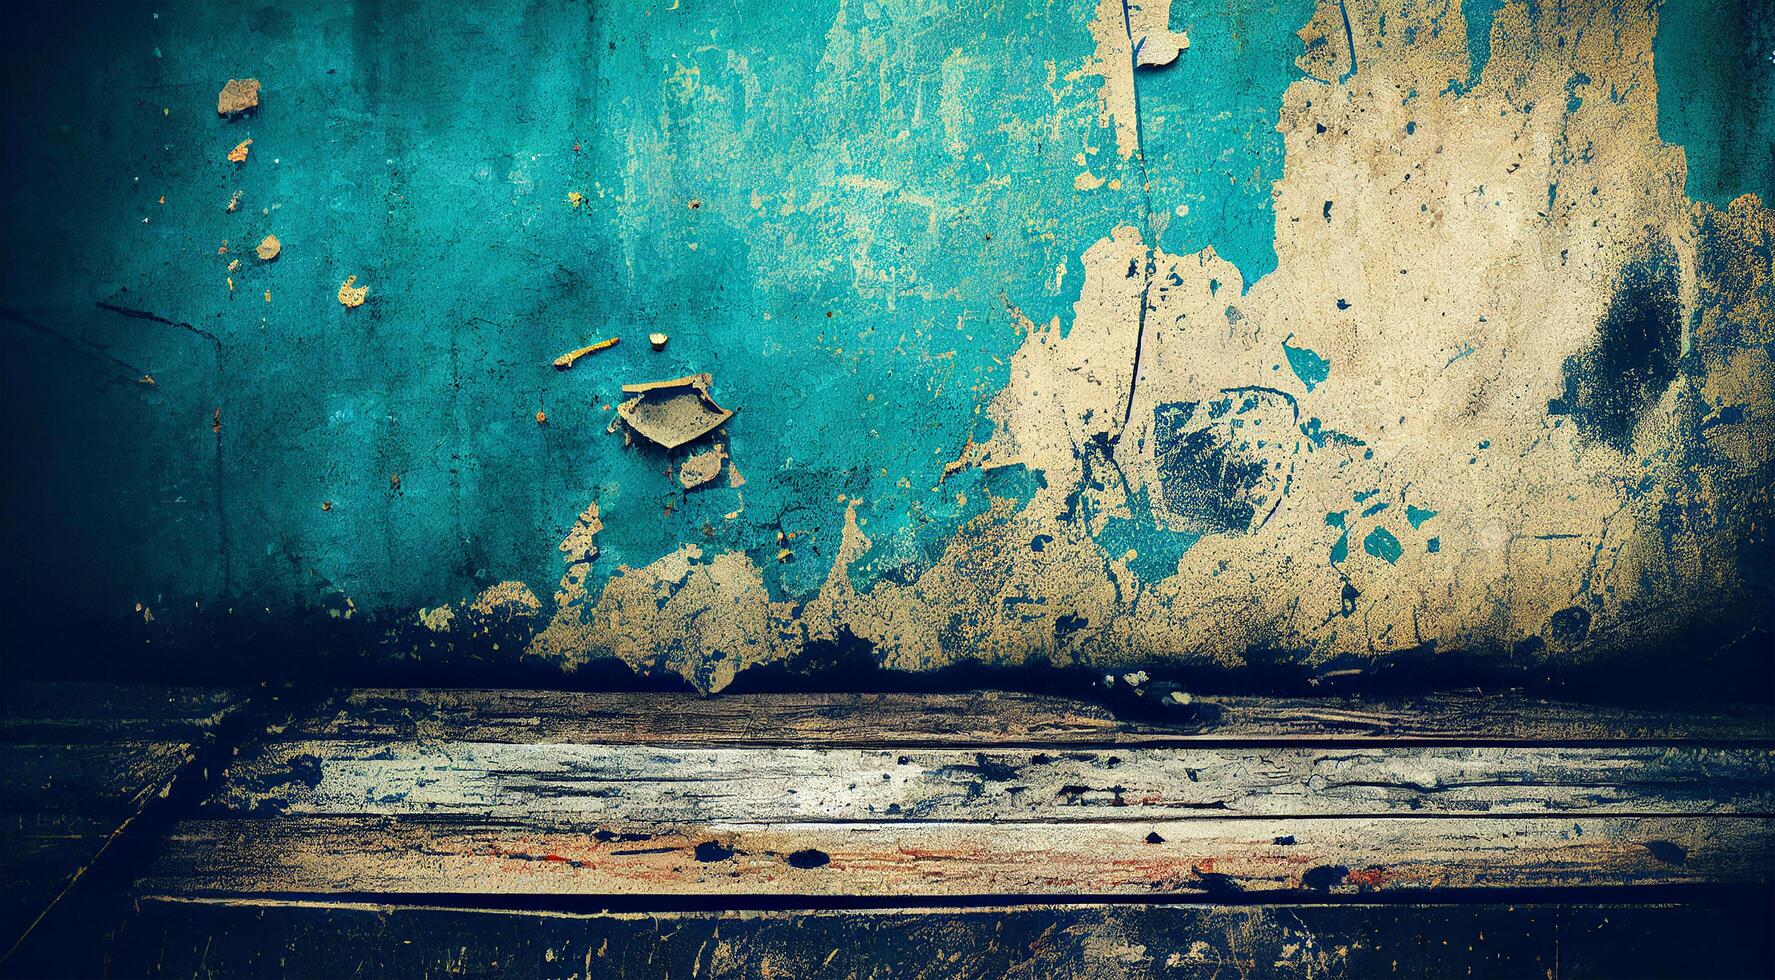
(1070, 332)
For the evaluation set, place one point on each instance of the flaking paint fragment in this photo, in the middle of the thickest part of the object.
(701, 468)
(568, 359)
(350, 294)
(672, 413)
(507, 599)
(1113, 61)
(238, 96)
(1155, 43)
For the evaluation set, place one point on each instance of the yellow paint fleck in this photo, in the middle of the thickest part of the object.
(240, 151)
(351, 295)
(575, 198)
(269, 248)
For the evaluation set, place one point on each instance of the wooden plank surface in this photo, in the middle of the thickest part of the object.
(80, 763)
(459, 792)
(1001, 718)
(375, 855)
(1180, 942)
(662, 784)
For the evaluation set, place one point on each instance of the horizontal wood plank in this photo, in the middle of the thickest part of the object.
(1180, 942)
(630, 782)
(70, 712)
(98, 779)
(999, 719)
(79, 762)
(372, 855)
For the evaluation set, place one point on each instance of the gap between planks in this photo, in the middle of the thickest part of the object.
(1010, 720)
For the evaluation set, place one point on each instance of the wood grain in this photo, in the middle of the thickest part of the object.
(631, 782)
(1003, 719)
(203, 939)
(80, 762)
(376, 855)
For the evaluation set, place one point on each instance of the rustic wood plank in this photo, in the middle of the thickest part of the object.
(1221, 856)
(1193, 942)
(97, 779)
(1003, 719)
(78, 763)
(74, 712)
(601, 782)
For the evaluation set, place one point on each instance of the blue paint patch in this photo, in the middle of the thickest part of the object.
(1730, 415)
(1340, 549)
(1224, 470)
(1335, 518)
(1319, 436)
(1307, 365)
(1383, 545)
(1377, 508)
(1478, 15)
(1716, 88)
(1417, 516)
(1157, 550)
(912, 547)
(1572, 101)
(1208, 129)
(1434, 545)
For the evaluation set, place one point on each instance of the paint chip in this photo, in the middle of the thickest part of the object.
(658, 340)
(240, 95)
(270, 248)
(352, 295)
(566, 360)
(240, 151)
(1149, 27)
(672, 413)
(701, 468)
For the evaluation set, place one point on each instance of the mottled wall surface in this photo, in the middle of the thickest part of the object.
(1065, 332)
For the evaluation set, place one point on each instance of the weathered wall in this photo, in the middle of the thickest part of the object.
(1344, 331)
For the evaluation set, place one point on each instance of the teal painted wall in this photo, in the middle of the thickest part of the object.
(831, 211)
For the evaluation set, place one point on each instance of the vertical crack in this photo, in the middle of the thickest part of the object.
(1146, 216)
(222, 546)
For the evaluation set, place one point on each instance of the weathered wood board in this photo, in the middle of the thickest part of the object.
(520, 833)
(80, 762)
(1192, 942)
(998, 718)
(623, 782)
(409, 793)
(515, 855)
